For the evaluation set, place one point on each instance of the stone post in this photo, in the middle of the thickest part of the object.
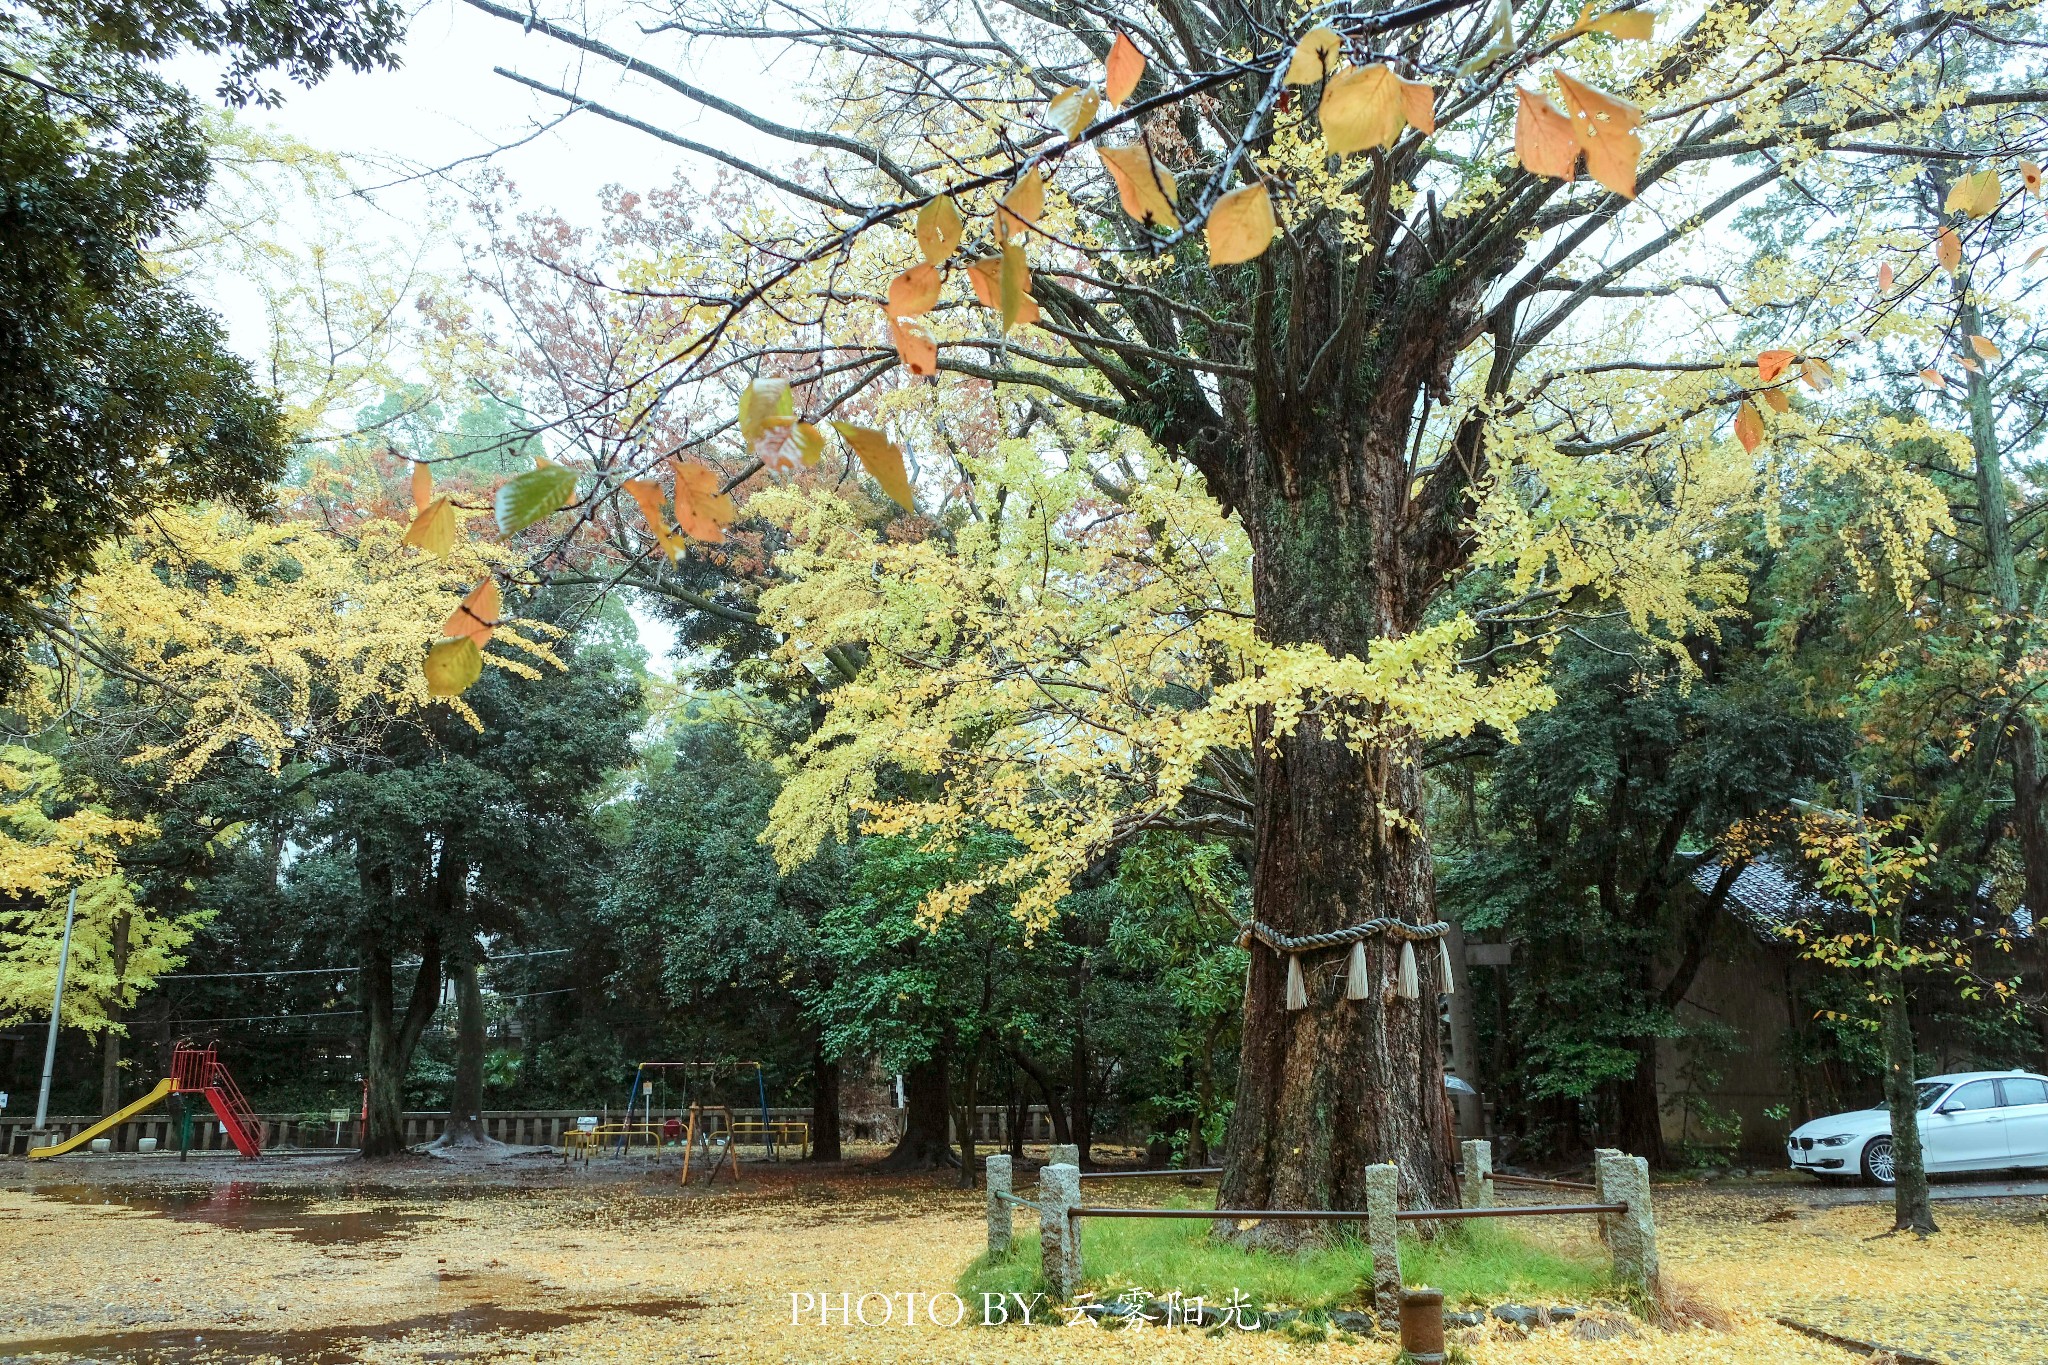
(1382, 1234)
(997, 1175)
(1064, 1154)
(1059, 1237)
(1475, 1186)
(1631, 1236)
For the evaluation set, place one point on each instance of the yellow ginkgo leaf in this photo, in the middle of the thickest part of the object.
(914, 291)
(1362, 107)
(1749, 426)
(1985, 347)
(1976, 194)
(882, 459)
(1315, 56)
(1543, 137)
(477, 614)
(1122, 68)
(914, 345)
(1605, 129)
(939, 229)
(1022, 206)
(1948, 249)
(1146, 188)
(433, 530)
(452, 666)
(422, 486)
(1073, 109)
(1240, 226)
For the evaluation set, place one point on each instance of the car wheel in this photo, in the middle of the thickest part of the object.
(1877, 1161)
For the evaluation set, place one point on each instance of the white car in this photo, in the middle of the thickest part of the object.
(1969, 1121)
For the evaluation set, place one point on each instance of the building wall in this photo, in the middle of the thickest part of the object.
(1707, 1083)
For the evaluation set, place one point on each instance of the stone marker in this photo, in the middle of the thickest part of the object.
(1382, 1234)
(1475, 1185)
(1059, 1239)
(1631, 1236)
(1064, 1154)
(997, 1177)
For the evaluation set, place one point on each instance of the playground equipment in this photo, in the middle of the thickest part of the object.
(193, 1071)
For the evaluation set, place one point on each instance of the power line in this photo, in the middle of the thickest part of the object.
(254, 1018)
(330, 971)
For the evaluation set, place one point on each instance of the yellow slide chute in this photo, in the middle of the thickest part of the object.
(164, 1087)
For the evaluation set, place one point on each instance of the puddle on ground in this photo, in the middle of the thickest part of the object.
(323, 1346)
(251, 1207)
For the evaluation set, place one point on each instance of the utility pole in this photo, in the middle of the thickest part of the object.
(56, 1015)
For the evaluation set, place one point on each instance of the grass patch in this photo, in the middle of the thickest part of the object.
(1471, 1262)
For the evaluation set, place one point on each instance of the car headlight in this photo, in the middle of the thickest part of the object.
(1838, 1140)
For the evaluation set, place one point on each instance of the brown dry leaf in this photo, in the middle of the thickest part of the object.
(1884, 278)
(1932, 379)
(1817, 374)
(422, 486)
(1968, 364)
(1022, 206)
(1315, 56)
(2030, 176)
(647, 493)
(1605, 128)
(1362, 107)
(433, 529)
(914, 291)
(1073, 109)
(882, 458)
(1146, 188)
(1771, 364)
(1776, 400)
(1749, 426)
(915, 347)
(701, 510)
(939, 230)
(477, 614)
(1985, 347)
(1240, 226)
(1948, 249)
(1543, 136)
(1124, 65)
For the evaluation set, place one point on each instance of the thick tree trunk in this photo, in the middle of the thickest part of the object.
(924, 1145)
(1912, 1210)
(1326, 1091)
(389, 1038)
(466, 1102)
(824, 1105)
(1055, 1112)
(963, 1124)
(110, 1039)
(1079, 1074)
(1642, 1114)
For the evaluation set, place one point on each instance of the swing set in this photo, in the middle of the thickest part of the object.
(710, 1132)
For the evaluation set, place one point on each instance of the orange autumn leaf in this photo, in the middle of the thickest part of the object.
(1315, 56)
(1884, 278)
(1543, 136)
(919, 353)
(1932, 379)
(422, 486)
(1775, 400)
(477, 615)
(1749, 426)
(882, 458)
(986, 277)
(1604, 126)
(1985, 347)
(2030, 176)
(647, 493)
(1013, 286)
(1145, 187)
(1418, 104)
(1124, 65)
(701, 510)
(939, 229)
(1022, 206)
(1771, 364)
(433, 530)
(914, 291)
(1948, 249)
(1073, 109)
(1240, 226)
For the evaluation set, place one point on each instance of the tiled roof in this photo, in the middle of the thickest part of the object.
(1771, 893)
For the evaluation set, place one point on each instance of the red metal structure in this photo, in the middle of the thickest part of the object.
(198, 1069)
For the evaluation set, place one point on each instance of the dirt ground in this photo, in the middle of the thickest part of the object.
(517, 1257)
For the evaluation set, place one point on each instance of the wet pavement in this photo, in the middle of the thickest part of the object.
(251, 1207)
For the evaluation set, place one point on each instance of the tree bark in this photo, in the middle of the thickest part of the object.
(389, 1038)
(1055, 1112)
(466, 1101)
(926, 1107)
(824, 1104)
(1326, 1091)
(110, 1039)
(1911, 1207)
(970, 1076)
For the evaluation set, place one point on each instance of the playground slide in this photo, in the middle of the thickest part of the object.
(163, 1088)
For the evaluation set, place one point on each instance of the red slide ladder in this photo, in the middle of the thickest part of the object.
(198, 1069)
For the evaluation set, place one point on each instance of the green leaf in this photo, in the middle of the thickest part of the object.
(452, 666)
(535, 494)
